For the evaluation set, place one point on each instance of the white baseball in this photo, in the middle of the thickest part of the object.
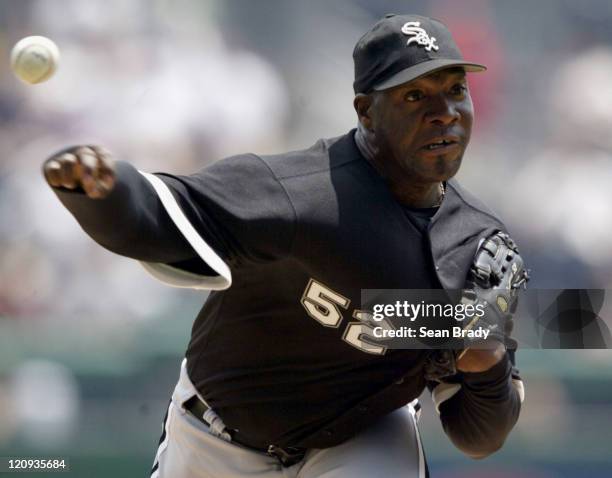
(34, 59)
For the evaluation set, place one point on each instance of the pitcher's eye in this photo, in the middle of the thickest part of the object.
(459, 89)
(414, 95)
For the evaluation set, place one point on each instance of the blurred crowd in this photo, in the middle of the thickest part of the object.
(175, 85)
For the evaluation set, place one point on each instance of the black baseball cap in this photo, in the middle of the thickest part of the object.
(401, 48)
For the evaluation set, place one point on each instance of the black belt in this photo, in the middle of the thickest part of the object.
(287, 456)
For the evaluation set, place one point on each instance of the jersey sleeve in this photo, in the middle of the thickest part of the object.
(478, 410)
(192, 231)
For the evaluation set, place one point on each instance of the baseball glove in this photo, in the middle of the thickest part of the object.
(496, 275)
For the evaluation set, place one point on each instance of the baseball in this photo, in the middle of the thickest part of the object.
(34, 59)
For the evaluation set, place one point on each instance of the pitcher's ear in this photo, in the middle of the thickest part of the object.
(363, 105)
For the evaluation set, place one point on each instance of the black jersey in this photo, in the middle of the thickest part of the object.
(288, 242)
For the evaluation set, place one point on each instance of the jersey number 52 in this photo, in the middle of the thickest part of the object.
(326, 307)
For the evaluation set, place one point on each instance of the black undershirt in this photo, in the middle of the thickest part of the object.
(421, 216)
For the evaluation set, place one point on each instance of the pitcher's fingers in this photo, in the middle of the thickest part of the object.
(87, 160)
(102, 153)
(106, 167)
(102, 184)
(68, 172)
(106, 182)
(87, 170)
(52, 171)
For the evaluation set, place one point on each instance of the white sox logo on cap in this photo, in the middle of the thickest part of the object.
(420, 36)
(400, 48)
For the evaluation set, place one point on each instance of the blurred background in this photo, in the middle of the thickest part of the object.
(90, 345)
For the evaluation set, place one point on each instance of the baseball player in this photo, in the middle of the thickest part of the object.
(277, 379)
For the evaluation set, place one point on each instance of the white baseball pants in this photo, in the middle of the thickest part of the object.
(190, 449)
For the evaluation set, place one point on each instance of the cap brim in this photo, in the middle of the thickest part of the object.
(425, 68)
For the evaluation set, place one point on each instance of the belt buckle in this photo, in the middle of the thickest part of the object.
(287, 456)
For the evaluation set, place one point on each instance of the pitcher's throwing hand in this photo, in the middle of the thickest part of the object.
(88, 168)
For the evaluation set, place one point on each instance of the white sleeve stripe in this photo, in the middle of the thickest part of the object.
(178, 277)
(175, 277)
(520, 388)
(443, 392)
